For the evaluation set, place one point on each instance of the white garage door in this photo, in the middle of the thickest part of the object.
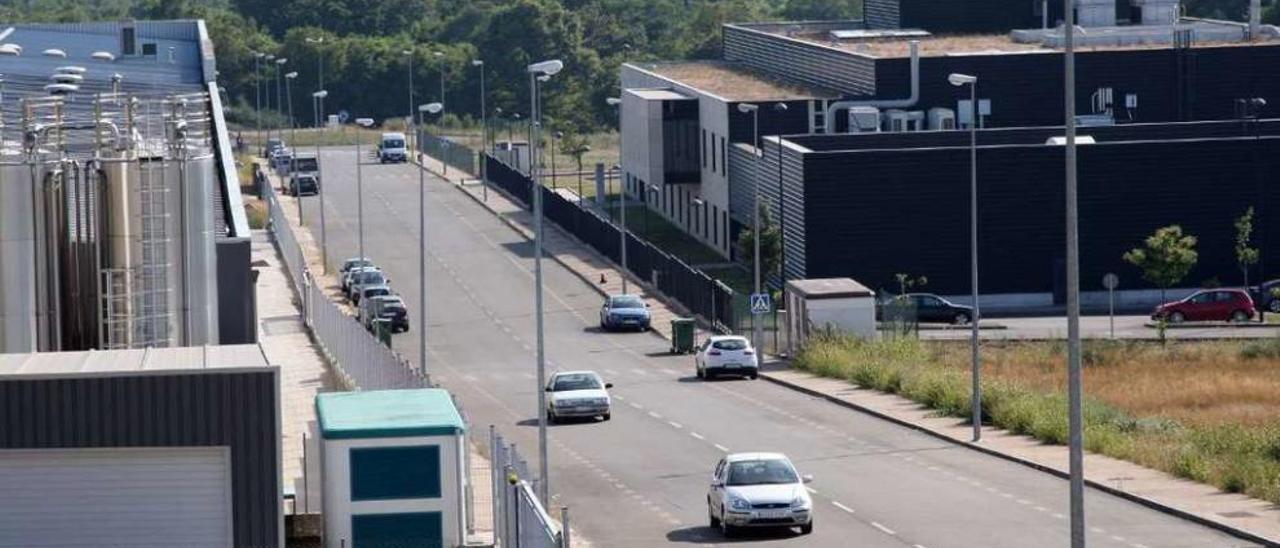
(172, 497)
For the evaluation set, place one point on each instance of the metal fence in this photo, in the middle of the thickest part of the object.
(357, 355)
(520, 520)
(692, 288)
(451, 153)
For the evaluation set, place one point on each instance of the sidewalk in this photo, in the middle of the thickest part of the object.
(563, 248)
(1252, 518)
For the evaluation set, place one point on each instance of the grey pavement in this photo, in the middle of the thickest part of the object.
(1099, 327)
(640, 479)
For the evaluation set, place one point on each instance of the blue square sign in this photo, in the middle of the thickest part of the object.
(760, 303)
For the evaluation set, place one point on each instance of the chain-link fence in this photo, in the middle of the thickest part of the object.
(453, 154)
(519, 519)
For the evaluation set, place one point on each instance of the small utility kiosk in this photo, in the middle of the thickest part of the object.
(394, 468)
(841, 304)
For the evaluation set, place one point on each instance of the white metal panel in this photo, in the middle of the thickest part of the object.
(151, 497)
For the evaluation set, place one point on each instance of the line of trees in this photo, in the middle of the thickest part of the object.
(1168, 255)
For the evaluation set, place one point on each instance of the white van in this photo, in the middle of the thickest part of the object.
(392, 148)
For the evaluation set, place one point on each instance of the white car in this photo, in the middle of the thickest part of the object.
(726, 355)
(578, 394)
(758, 490)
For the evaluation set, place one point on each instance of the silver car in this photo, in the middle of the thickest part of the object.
(758, 490)
(577, 394)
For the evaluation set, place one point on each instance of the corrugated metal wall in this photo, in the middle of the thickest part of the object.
(786, 203)
(799, 61)
(881, 14)
(238, 410)
(872, 214)
(742, 180)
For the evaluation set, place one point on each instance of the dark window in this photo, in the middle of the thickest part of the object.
(713, 152)
(705, 214)
(403, 529)
(724, 168)
(128, 41)
(384, 473)
(149, 49)
(715, 225)
(704, 148)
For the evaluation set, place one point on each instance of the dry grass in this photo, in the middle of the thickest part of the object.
(1206, 411)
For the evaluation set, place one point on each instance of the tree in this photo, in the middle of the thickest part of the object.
(1246, 256)
(906, 282)
(1165, 258)
(770, 244)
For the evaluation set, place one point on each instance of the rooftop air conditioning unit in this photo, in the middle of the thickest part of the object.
(900, 120)
(942, 119)
(864, 120)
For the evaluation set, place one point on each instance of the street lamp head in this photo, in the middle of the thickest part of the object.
(780, 107)
(366, 122)
(291, 75)
(271, 57)
(259, 54)
(544, 78)
(281, 61)
(117, 77)
(311, 40)
(477, 62)
(558, 135)
(958, 79)
(437, 53)
(433, 108)
(54, 52)
(549, 68)
(12, 50)
(747, 108)
(613, 101)
(515, 115)
(406, 52)
(103, 56)
(321, 94)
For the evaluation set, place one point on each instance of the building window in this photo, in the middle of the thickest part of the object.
(706, 213)
(713, 152)
(724, 168)
(704, 148)
(149, 49)
(715, 225)
(387, 473)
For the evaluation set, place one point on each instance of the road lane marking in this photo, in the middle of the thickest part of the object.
(655, 415)
(812, 491)
(697, 435)
(837, 504)
(675, 424)
(635, 405)
(722, 448)
(883, 529)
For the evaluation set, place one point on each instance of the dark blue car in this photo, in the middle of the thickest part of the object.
(624, 312)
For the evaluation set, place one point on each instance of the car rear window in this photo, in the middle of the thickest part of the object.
(730, 344)
(627, 302)
(376, 291)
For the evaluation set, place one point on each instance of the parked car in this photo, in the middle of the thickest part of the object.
(371, 290)
(391, 148)
(726, 355)
(624, 311)
(350, 265)
(929, 308)
(362, 279)
(389, 307)
(304, 184)
(346, 278)
(578, 394)
(758, 490)
(271, 146)
(1210, 305)
(1264, 296)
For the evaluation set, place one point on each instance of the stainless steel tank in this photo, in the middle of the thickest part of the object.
(19, 325)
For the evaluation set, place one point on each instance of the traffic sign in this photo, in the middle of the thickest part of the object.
(760, 303)
(343, 116)
(1110, 281)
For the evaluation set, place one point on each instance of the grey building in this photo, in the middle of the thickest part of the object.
(122, 224)
(141, 448)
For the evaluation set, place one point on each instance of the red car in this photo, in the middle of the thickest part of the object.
(1207, 306)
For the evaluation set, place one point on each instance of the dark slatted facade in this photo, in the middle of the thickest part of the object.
(236, 409)
(961, 16)
(805, 62)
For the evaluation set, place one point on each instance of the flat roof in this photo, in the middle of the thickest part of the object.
(388, 414)
(116, 362)
(732, 82)
(830, 288)
(659, 95)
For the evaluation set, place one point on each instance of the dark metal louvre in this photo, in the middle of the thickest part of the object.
(800, 61)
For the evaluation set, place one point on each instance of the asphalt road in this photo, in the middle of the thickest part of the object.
(1099, 327)
(640, 480)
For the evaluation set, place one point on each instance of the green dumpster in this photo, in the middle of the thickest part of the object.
(382, 330)
(682, 330)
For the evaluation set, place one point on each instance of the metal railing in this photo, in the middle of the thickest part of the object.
(519, 519)
(453, 154)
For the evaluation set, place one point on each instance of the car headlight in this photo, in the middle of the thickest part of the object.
(739, 504)
(799, 502)
(601, 401)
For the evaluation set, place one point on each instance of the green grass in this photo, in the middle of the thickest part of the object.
(1237, 458)
(662, 233)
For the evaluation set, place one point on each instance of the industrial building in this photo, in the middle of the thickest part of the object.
(1140, 66)
(122, 224)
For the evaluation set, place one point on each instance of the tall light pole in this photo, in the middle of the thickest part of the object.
(1075, 385)
(293, 136)
(408, 53)
(976, 403)
(319, 60)
(257, 90)
(439, 55)
(484, 130)
(317, 100)
(544, 68)
(555, 138)
(280, 61)
(423, 110)
(782, 209)
(757, 327)
(622, 208)
(362, 122)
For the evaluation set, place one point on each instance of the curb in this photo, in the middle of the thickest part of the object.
(1149, 503)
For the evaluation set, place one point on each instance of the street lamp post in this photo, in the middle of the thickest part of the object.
(622, 208)
(782, 209)
(317, 101)
(547, 68)
(362, 122)
(976, 403)
(757, 327)
(280, 62)
(484, 131)
(1075, 387)
(293, 136)
(257, 90)
(319, 60)
(411, 126)
(423, 110)
(555, 137)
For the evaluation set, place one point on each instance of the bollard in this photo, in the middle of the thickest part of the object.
(565, 540)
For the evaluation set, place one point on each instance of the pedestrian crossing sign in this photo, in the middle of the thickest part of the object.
(760, 303)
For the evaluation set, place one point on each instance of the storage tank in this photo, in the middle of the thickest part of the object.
(18, 315)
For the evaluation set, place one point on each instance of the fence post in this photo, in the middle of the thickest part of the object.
(565, 540)
(305, 485)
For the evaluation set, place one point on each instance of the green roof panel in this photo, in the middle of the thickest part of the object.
(388, 414)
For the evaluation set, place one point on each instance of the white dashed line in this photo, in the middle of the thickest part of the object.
(722, 448)
(655, 415)
(635, 405)
(1117, 538)
(837, 504)
(697, 435)
(675, 424)
(883, 529)
(812, 491)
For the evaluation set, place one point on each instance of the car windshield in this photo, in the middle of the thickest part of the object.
(393, 143)
(760, 472)
(357, 263)
(376, 291)
(374, 278)
(305, 164)
(576, 381)
(626, 302)
(730, 344)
